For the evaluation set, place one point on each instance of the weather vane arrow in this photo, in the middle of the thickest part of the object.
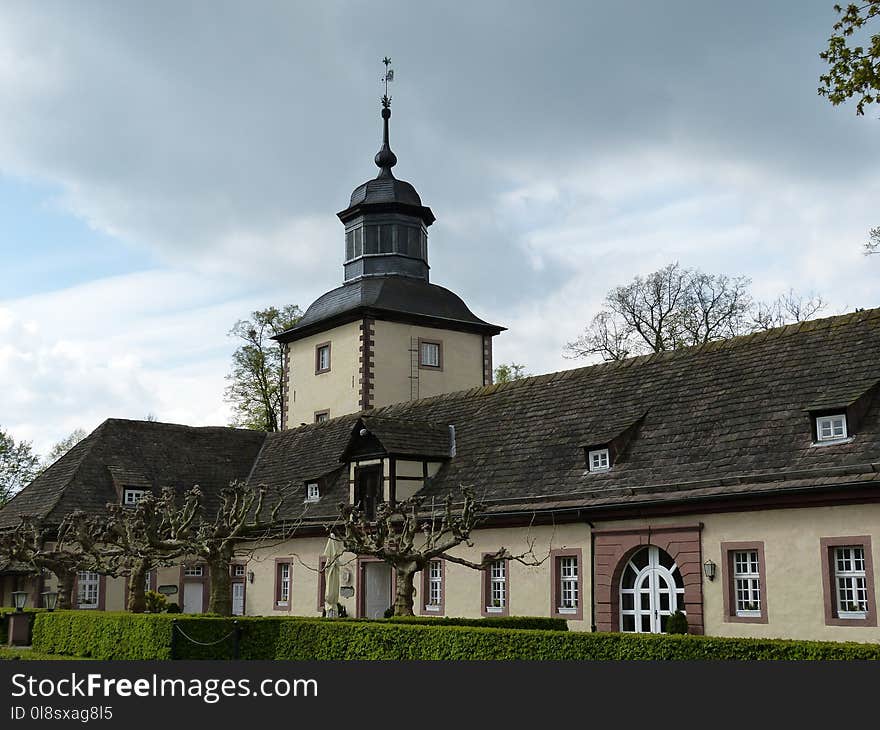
(387, 77)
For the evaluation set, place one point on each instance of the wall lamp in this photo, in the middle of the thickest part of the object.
(709, 569)
(250, 576)
(50, 600)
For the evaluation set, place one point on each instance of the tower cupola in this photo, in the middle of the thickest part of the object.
(386, 225)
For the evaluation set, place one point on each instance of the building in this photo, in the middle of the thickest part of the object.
(737, 481)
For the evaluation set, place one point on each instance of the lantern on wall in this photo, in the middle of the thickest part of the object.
(50, 600)
(709, 569)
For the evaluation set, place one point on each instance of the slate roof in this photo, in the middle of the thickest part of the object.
(406, 437)
(724, 420)
(392, 297)
(138, 454)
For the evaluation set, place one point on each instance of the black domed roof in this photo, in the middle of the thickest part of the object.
(395, 297)
(385, 190)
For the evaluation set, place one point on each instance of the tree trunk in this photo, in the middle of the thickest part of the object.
(221, 587)
(66, 583)
(403, 601)
(137, 602)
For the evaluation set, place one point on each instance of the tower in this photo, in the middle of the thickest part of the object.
(387, 334)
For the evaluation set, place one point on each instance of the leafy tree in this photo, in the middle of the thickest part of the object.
(255, 383)
(408, 534)
(506, 372)
(873, 244)
(18, 465)
(677, 307)
(63, 446)
(854, 70)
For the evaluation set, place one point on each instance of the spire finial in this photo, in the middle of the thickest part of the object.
(385, 158)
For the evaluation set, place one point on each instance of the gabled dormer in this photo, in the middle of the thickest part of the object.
(608, 441)
(131, 486)
(837, 415)
(391, 459)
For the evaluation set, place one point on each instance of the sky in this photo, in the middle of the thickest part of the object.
(167, 168)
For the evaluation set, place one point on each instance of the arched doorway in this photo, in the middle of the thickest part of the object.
(651, 590)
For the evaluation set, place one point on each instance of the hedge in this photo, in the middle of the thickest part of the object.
(103, 635)
(310, 640)
(493, 622)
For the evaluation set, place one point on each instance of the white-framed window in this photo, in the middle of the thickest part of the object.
(322, 358)
(568, 584)
(130, 497)
(313, 493)
(194, 571)
(599, 460)
(88, 585)
(435, 586)
(497, 587)
(321, 416)
(831, 428)
(429, 354)
(282, 595)
(238, 570)
(747, 583)
(851, 582)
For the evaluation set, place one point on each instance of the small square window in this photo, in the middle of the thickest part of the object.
(599, 460)
(131, 497)
(831, 428)
(238, 570)
(429, 354)
(313, 493)
(321, 416)
(194, 571)
(322, 358)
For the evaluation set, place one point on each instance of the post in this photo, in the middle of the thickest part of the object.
(173, 637)
(236, 638)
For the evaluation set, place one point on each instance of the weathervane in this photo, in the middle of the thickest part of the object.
(387, 77)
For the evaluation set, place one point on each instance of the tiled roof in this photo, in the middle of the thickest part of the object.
(725, 419)
(151, 454)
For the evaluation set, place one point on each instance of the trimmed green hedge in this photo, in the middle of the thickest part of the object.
(490, 622)
(309, 640)
(103, 635)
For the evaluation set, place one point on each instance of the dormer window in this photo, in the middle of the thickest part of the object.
(599, 460)
(130, 497)
(831, 428)
(313, 492)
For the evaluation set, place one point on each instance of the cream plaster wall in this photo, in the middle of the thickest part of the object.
(794, 588)
(336, 390)
(392, 359)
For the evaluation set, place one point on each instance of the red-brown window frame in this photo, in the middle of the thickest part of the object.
(439, 343)
(486, 591)
(425, 593)
(729, 589)
(556, 583)
(276, 596)
(829, 586)
(318, 347)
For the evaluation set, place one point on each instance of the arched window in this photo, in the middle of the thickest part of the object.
(651, 590)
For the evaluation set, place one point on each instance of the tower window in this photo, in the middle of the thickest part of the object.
(431, 354)
(322, 358)
(371, 244)
(386, 239)
(831, 428)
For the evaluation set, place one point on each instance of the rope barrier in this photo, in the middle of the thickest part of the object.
(202, 643)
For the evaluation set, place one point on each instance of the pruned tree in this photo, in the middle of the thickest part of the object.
(133, 540)
(55, 549)
(853, 57)
(217, 538)
(410, 533)
(255, 383)
(506, 372)
(676, 307)
(19, 465)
